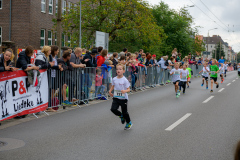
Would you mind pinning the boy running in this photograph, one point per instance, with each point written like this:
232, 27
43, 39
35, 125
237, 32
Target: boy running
176, 78
120, 97
225, 68
213, 76
238, 66
183, 75
221, 72
189, 76
205, 74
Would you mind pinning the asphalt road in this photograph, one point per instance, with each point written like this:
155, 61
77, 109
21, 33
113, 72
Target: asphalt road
195, 130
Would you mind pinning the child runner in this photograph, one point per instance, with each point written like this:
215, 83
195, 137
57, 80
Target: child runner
213, 76
221, 71
180, 67
225, 68
205, 74
183, 75
189, 76
121, 86
176, 78
238, 66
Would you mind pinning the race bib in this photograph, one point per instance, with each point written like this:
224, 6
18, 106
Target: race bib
204, 72
177, 72
118, 94
184, 77
213, 72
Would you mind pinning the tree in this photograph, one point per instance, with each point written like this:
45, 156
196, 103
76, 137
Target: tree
217, 54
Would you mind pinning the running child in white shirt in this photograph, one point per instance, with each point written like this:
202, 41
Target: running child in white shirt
221, 72
176, 78
183, 75
225, 68
205, 74
121, 87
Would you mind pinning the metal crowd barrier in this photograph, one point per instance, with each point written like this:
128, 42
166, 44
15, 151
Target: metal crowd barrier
81, 85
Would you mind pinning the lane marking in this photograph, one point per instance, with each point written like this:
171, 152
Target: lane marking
233, 81
208, 99
221, 90
228, 84
178, 122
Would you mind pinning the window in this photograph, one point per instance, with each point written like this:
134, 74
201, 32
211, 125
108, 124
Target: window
63, 40
49, 38
64, 6
55, 38
43, 6
56, 6
69, 41
69, 5
0, 4
42, 39
0, 36
50, 7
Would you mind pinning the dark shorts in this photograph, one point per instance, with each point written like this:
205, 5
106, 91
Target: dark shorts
221, 75
213, 78
206, 78
176, 82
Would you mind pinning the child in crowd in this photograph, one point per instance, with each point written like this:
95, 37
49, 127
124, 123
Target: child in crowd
225, 68
189, 75
183, 75
213, 76
121, 87
238, 66
205, 74
221, 71
175, 72
99, 88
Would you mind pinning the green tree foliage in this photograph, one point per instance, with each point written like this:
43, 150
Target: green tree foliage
131, 24
217, 54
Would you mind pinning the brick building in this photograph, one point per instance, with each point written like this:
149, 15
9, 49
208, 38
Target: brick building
31, 21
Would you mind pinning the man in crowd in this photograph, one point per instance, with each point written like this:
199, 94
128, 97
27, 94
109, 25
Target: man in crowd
221, 61
140, 53
124, 52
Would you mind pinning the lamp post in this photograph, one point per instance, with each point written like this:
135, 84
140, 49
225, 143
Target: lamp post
207, 39
80, 27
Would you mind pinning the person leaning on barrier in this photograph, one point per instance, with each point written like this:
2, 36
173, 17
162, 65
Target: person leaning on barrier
65, 63
90, 57
24, 59
42, 59
5, 61
75, 59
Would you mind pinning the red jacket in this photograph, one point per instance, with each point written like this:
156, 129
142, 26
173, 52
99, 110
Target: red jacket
100, 61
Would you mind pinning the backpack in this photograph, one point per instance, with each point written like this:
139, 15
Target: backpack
166, 63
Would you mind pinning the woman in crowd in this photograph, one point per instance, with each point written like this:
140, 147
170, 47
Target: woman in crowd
42, 59
5, 61
101, 59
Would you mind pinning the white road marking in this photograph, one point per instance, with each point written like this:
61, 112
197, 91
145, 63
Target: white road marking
221, 90
228, 84
178, 122
208, 99
233, 81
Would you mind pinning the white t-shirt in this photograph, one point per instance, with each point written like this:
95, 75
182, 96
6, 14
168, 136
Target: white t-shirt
176, 75
221, 70
185, 74
225, 66
205, 72
120, 84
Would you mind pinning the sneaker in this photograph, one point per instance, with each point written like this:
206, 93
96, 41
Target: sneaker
211, 91
187, 86
177, 95
128, 126
207, 87
202, 84
217, 86
168, 81
222, 81
189, 81
67, 103
122, 119
183, 92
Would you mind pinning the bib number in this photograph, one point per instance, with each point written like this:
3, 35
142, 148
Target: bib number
176, 73
184, 77
213, 72
204, 72
118, 94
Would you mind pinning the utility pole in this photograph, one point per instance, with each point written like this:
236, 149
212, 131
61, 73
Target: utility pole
80, 27
59, 27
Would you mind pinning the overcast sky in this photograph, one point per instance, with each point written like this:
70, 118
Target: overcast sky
226, 11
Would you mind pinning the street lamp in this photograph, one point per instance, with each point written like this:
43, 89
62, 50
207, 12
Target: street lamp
208, 36
80, 27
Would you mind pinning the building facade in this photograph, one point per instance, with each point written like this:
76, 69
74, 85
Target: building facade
29, 22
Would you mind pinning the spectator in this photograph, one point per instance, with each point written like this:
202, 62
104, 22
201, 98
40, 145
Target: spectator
174, 53
24, 59
163, 68
178, 59
140, 53
100, 49
101, 59
99, 88
75, 60
172, 59
65, 63
189, 60
6, 61
115, 59
42, 59
83, 51
124, 52
90, 56
156, 69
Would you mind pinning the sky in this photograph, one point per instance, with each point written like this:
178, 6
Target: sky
210, 14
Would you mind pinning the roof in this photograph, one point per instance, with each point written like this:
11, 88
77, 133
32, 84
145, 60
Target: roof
213, 40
